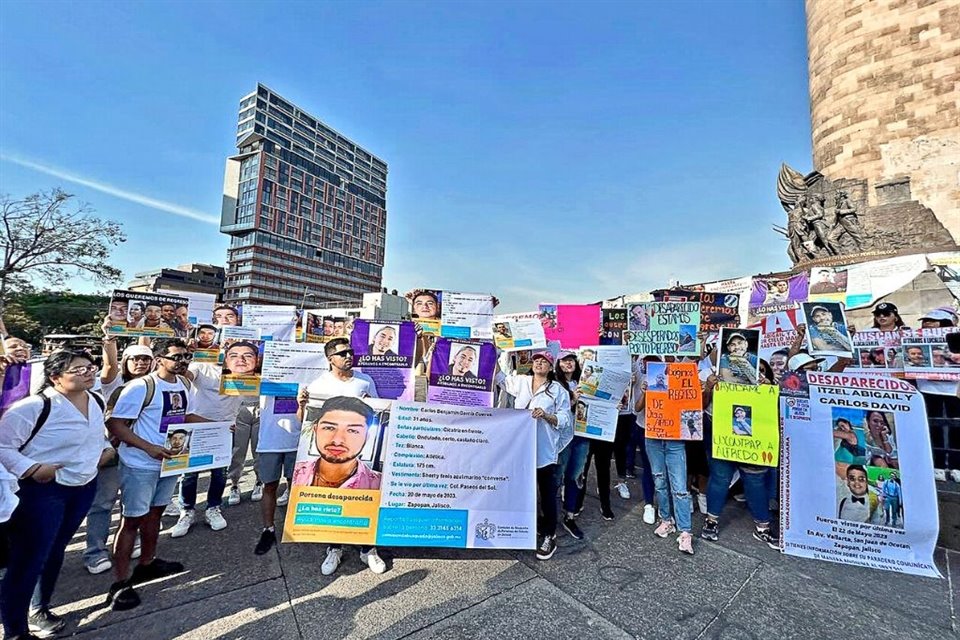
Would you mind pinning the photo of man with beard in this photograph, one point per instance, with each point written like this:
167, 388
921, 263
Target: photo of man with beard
339, 434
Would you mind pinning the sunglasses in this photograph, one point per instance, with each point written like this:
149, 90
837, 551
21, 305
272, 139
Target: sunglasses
883, 313
346, 353
180, 357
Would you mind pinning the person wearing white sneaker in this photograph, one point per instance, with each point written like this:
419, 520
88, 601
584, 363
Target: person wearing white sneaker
649, 514
257, 494
284, 496
279, 431
373, 560
639, 390
246, 436
331, 561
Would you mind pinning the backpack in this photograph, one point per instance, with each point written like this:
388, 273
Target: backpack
45, 413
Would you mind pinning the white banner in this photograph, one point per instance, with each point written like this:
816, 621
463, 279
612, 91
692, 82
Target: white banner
275, 321
518, 331
197, 446
291, 366
596, 419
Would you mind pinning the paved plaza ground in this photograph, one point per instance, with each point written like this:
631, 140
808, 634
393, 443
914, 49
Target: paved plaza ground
620, 582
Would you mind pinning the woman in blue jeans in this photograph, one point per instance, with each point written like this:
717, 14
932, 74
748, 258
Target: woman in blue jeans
56, 459
573, 457
755, 478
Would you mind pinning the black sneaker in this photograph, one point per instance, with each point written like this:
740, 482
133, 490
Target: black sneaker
155, 570
571, 526
606, 512
122, 596
767, 536
711, 530
267, 539
45, 624
548, 546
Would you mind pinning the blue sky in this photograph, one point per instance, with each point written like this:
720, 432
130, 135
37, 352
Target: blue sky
561, 152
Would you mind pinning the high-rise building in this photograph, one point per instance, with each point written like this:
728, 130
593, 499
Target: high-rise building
305, 208
194, 277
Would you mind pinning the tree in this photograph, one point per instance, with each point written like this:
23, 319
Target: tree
50, 237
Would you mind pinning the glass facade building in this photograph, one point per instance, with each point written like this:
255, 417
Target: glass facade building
305, 209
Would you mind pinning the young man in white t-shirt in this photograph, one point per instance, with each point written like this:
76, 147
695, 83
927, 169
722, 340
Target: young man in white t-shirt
141, 429
340, 380
275, 420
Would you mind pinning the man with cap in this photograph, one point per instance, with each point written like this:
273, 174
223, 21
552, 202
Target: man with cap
825, 334
886, 317
737, 365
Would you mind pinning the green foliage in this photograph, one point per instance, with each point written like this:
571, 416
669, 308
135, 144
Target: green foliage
35, 314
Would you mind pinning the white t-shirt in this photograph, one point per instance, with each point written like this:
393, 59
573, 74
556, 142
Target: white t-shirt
939, 387
279, 427
170, 405
107, 388
66, 437
207, 401
359, 385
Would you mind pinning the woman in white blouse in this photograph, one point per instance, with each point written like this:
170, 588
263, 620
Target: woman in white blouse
56, 465
549, 403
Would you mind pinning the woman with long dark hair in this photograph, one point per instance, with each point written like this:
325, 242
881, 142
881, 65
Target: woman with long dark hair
574, 449
55, 457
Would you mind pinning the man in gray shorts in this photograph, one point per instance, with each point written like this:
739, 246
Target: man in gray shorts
279, 436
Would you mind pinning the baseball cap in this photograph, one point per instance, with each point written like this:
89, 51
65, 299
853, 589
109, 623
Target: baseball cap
136, 350
566, 353
733, 335
542, 354
941, 313
801, 360
813, 310
885, 307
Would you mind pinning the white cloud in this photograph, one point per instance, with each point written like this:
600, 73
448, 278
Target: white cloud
146, 201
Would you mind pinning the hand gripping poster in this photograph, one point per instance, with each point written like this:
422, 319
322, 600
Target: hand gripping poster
451, 314
462, 373
663, 329
857, 479
674, 401
460, 477
517, 331
746, 423
384, 351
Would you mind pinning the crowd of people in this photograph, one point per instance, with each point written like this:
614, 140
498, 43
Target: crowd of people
95, 433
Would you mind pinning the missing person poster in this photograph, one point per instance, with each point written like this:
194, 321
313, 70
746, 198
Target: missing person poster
462, 373
320, 326
604, 382
739, 360
877, 353
828, 284
674, 409
827, 332
926, 355
777, 332
572, 325
773, 294
857, 480
451, 314
384, 351
459, 477
275, 321
335, 496
197, 446
614, 323
746, 423
241, 352
289, 367
517, 331
594, 418
155, 315
523, 360
206, 337
717, 310
663, 329
200, 305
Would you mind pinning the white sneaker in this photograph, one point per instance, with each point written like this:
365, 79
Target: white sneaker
100, 566
623, 490
283, 498
940, 475
373, 560
234, 498
136, 548
173, 509
332, 561
649, 514
955, 475
215, 519
183, 525
257, 494
702, 503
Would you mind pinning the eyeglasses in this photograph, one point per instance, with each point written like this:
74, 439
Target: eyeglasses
79, 371
141, 358
346, 353
180, 357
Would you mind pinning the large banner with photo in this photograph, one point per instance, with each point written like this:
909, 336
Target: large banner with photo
663, 328
452, 314
857, 479
674, 401
155, 315
746, 425
447, 476
926, 355
774, 294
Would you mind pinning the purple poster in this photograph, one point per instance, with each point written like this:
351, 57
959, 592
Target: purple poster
16, 385
384, 351
773, 294
461, 373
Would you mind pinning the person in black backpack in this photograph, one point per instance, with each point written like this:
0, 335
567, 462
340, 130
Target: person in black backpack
54, 443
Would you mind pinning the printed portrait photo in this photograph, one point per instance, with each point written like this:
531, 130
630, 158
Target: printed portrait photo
917, 355
464, 360
742, 422
339, 432
178, 442
502, 330
242, 358
826, 327
383, 339
691, 425
656, 376
739, 362
425, 304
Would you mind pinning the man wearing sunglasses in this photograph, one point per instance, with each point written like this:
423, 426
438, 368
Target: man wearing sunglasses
340, 380
141, 425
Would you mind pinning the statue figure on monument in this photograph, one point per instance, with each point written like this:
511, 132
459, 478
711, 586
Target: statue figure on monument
815, 217
848, 221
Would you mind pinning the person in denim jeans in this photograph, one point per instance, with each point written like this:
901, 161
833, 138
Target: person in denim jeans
668, 462
573, 457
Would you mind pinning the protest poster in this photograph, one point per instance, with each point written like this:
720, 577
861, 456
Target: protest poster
572, 325
595, 418
523, 360
857, 481
739, 361
773, 294
926, 355
275, 321
740, 286
827, 332
461, 373
663, 328
460, 477
828, 284
516, 331
197, 446
228, 315
947, 267
867, 282
613, 324
451, 314
777, 332
155, 315
206, 337
19, 381
746, 423
200, 305
240, 352
876, 353
674, 401
289, 367
384, 351
335, 494
716, 309
320, 326
604, 383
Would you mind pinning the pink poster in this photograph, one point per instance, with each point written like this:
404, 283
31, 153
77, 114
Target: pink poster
573, 325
